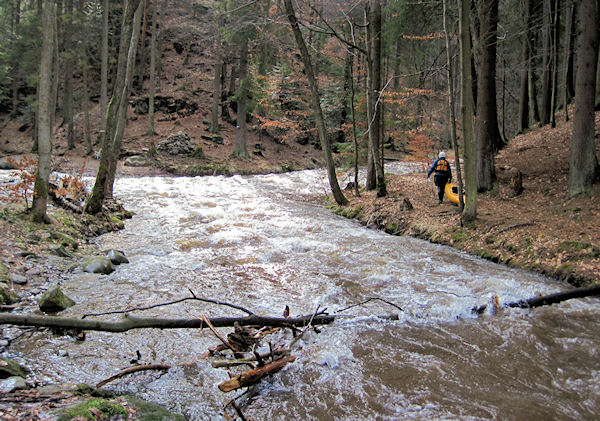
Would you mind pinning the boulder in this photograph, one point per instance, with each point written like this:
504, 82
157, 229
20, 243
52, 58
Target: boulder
12, 383
17, 279
7, 295
9, 368
137, 161
99, 264
117, 257
53, 301
177, 144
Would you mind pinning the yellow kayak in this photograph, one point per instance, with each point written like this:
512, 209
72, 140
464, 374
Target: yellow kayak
452, 193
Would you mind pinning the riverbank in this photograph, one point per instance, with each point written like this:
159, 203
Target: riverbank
540, 230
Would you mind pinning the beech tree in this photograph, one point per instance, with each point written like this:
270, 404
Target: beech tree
42, 175
584, 169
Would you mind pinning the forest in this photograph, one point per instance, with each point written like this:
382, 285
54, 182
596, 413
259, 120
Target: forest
507, 89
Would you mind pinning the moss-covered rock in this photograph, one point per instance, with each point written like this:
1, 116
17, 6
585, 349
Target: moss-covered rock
9, 368
150, 411
98, 264
7, 295
91, 409
54, 300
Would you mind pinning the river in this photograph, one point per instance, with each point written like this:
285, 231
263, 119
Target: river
265, 242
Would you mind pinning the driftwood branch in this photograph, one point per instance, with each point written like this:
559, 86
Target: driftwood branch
133, 369
251, 377
194, 297
217, 334
131, 322
546, 300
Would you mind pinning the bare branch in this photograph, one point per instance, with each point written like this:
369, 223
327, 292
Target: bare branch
194, 297
368, 300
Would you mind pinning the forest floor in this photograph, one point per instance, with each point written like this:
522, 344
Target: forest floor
539, 230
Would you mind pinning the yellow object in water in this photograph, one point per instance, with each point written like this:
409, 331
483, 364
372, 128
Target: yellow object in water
452, 193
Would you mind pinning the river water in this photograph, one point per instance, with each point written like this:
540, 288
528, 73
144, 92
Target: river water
265, 242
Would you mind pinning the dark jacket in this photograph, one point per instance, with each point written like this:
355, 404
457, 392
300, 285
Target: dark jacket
438, 169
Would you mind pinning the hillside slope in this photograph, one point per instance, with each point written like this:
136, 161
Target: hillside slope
185, 82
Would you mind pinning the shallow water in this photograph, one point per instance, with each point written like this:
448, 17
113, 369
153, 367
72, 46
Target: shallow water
265, 242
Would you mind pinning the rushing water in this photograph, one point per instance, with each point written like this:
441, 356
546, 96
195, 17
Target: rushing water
265, 242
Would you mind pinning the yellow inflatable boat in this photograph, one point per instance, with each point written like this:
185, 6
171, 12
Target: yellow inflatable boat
452, 193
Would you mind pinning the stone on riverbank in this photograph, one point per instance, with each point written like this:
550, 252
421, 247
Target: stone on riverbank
7, 295
9, 368
99, 264
117, 257
54, 300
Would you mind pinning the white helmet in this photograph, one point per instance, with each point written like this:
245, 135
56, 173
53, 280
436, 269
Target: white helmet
442, 154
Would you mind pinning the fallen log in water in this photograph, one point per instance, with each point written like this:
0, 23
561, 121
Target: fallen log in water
253, 376
546, 300
131, 322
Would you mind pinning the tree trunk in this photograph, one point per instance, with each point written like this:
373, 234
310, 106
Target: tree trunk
130, 322
42, 175
68, 88
315, 105
374, 101
554, 62
526, 63
548, 13
371, 182
488, 136
567, 54
583, 169
466, 108
214, 116
104, 65
451, 103
124, 102
98, 194
241, 151
142, 67
86, 104
15, 67
151, 130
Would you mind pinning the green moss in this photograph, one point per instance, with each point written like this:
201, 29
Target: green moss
575, 246
148, 411
459, 235
287, 167
108, 408
198, 153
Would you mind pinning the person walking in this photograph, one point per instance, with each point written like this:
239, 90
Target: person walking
443, 174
